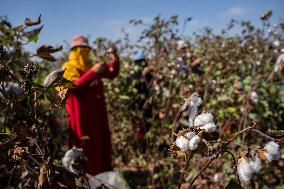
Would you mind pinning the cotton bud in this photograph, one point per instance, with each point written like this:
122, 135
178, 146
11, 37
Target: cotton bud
209, 127
255, 164
272, 151
258, 63
244, 170
193, 143
203, 119
182, 143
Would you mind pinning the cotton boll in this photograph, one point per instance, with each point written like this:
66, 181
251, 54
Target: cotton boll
181, 44
193, 106
191, 114
11, 88
254, 97
182, 143
278, 63
272, 147
244, 170
193, 143
72, 159
209, 127
255, 164
188, 55
272, 151
189, 135
203, 119
196, 101
268, 156
276, 43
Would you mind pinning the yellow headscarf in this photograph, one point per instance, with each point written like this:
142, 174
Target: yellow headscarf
78, 60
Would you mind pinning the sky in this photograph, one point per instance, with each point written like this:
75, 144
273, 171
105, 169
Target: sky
62, 19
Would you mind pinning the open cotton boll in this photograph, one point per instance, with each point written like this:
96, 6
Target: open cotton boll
244, 170
268, 156
255, 164
71, 157
209, 127
196, 101
203, 119
193, 106
191, 114
193, 143
278, 63
182, 143
272, 148
272, 151
189, 135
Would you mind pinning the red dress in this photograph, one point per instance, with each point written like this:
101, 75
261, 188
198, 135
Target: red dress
87, 116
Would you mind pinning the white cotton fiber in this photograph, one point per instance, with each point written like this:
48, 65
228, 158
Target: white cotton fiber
189, 135
193, 143
272, 151
209, 127
203, 119
182, 143
193, 107
255, 164
244, 171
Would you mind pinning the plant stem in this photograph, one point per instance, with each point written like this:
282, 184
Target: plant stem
185, 167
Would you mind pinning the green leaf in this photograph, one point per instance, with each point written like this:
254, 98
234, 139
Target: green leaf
231, 110
32, 36
280, 186
124, 97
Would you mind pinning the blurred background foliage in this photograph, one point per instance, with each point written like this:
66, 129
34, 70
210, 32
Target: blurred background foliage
237, 76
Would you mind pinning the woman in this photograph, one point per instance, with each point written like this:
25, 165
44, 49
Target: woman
86, 107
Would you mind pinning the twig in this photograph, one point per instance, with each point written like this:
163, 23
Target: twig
263, 134
185, 167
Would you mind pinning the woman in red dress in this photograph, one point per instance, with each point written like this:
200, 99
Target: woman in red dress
86, 107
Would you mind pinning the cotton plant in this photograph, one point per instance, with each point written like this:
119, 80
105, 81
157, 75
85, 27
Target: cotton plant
250, 164
195, 137
201, 131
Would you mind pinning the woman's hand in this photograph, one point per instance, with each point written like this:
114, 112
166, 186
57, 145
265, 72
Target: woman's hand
112, 52
99, 68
